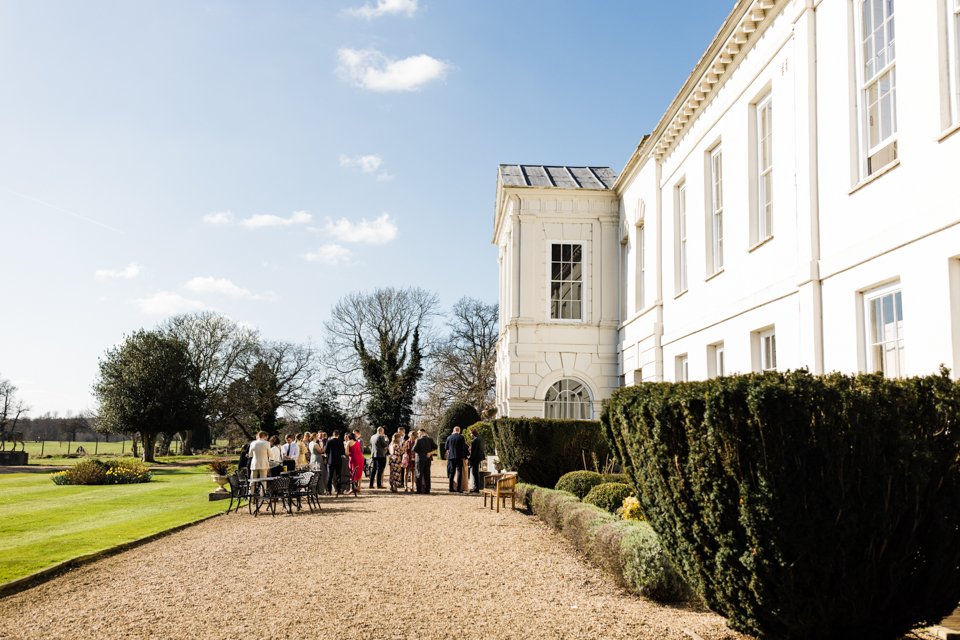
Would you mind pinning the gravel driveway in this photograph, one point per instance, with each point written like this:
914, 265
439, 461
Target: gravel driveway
379, 566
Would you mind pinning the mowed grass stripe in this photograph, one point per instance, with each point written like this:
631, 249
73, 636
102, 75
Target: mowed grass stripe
42, 524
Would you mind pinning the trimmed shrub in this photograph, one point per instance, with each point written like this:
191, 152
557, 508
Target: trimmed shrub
485, 430
579, 483
92, 472
541, 451
459, 414
647, 567
609, 496
627, 550
622, 478
802, 506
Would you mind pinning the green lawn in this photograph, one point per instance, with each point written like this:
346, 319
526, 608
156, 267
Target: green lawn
42, 524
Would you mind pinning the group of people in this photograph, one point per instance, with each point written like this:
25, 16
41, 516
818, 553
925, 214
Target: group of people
408, 456
457, 452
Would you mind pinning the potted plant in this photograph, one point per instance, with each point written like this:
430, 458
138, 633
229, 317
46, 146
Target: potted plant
221, 469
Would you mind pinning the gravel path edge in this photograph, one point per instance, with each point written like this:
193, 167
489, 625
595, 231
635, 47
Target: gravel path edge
45, 575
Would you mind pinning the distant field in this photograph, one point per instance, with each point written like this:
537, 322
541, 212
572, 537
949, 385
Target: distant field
42, 524
58, 449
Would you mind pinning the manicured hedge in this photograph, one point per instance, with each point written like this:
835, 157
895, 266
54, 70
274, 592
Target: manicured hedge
459, 414
541, 451
579, 483
609, 496
630, 551
803, 506
485, 430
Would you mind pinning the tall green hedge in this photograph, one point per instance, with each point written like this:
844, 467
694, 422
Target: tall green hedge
802, 506
541, 451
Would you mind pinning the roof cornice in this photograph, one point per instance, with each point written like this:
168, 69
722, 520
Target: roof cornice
736, 36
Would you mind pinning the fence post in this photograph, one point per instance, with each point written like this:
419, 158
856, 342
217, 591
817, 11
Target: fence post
42, 442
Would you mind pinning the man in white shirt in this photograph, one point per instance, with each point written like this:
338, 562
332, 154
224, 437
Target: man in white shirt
259, 452
290, 452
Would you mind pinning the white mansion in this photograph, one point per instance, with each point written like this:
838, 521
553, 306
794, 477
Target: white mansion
798, 205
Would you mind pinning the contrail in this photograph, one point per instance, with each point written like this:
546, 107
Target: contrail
61, 209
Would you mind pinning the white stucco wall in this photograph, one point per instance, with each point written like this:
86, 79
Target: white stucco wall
837, 233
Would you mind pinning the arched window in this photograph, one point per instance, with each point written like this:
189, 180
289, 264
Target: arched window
568, 400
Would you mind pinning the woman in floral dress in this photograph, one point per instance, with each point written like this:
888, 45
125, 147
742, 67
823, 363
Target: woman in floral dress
396, 469
407, 463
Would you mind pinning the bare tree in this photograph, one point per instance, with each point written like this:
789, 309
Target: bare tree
11, 407
463, 366
375, 345
219, 349
276, 375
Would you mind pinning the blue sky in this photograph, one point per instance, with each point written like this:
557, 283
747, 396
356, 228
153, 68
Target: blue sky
265, 158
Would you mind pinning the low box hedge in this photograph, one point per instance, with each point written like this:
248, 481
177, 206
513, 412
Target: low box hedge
628, 550
542, 450
800, 506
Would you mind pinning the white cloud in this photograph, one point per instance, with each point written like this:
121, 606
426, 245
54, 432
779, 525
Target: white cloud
166, 303
129, 272
332, 254
370, 69
367, 164
219, 217
384, 8
220, 287
378, 231
270, 220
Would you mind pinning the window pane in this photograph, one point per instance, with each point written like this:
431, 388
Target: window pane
556, 271
576, 271
556, 253
577, 253
565, 252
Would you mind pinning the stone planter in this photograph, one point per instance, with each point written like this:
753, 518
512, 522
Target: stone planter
221, 481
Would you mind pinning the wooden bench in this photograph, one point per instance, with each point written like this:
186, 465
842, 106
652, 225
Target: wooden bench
500, 486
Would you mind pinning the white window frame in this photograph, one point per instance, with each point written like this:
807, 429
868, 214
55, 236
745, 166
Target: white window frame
584, 261
873, 341
624, 276
767, 342
682, 364
573, 401
951, 17
641, 257
867, 81
716, 364
763, 114
715, 209
680, 234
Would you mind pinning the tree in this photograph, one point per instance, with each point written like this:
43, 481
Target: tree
377, 342
278, 375
218, 348
324, 413
11, 407
147, 385
463, 366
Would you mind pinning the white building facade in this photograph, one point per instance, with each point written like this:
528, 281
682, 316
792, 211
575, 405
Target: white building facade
798, 205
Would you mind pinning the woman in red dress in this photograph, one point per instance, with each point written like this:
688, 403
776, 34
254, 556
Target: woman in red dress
355, 453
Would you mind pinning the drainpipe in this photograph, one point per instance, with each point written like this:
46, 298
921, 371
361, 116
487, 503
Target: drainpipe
813, 168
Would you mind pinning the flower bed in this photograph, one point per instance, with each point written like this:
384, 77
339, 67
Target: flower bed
92, 472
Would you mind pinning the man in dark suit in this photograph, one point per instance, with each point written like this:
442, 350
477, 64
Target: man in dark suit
476, 457
424, 449
456, 453
335, 452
